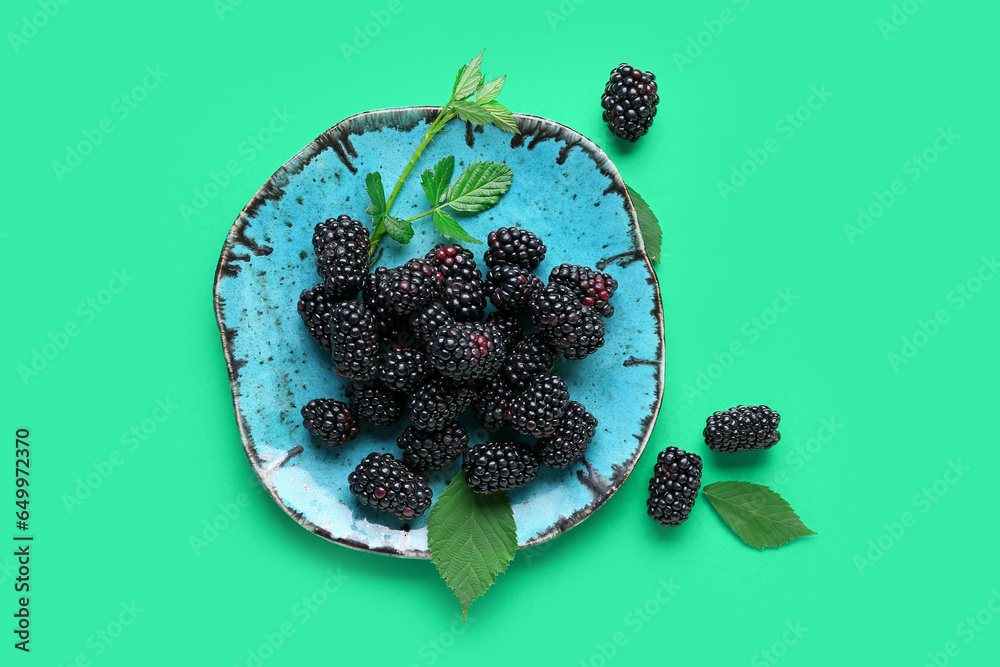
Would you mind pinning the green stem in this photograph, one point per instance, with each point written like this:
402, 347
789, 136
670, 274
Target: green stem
434, 128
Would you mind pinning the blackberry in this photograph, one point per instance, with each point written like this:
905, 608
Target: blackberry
742, 428
439, 402
466, 351
455, 262
412, 285
432, 450
331, 420
528, 358
573, 329
491, 403
629, 102
510, 287
341, 247
571, 438
403, 368
425, 321
511, 245
374, 403
536, 411
384, 483
353, 340
674, 486
465, 300
592, 288
342, 228
314, 308
507, 325
498, 466
373, 295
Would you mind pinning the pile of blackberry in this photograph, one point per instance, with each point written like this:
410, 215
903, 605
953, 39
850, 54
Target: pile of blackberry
415, 342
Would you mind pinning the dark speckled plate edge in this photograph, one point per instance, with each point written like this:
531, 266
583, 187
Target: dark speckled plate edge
338, 138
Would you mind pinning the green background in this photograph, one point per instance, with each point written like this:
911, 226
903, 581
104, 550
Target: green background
897, 428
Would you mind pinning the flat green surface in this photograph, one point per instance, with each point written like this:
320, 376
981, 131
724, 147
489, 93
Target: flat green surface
767, 268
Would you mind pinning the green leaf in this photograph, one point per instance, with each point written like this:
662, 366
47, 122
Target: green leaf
468, 79
472, 113
502, 117
449, 227
436, 184
480, 186
758, 515
489, 90
649, 226
472, 539
400, 231
376, 193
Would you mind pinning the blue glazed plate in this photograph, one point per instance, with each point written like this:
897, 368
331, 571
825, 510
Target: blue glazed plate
565, 189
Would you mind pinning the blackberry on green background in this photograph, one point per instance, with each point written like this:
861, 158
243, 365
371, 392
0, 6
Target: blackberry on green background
512, 245
314, 309
341, 247
536, 410
330, 420
498, 466
465, 300
593, 288
491, 403
511, 287
571, 438
573, 329
439, 402
455, 262
466, 351
629, 102
742, 428
428, 319
529, 357
432, 450
354, 340
507, 325
374, 403
382, 482
403, 368
674, 486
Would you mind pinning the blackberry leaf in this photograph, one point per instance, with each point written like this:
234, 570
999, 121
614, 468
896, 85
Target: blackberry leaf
472, 113
436, 184
472, 539
489, 90
376, 193
649, 226
468, 79
480, 186
449, 227
758, 515
502, 117
400, 231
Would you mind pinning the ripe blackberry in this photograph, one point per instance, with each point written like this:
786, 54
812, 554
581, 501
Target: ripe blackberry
510, 287
353, 340
573, 329
466, 351
511, 245
432, 450
592, 288
412, 285
340, 229
536, 411
629, 102
428, 319
528, 358
498, 466
455, 262
374, 297
439, 402
374, 403
331, 420
384, 483
491, 403
571, 438
507, 325
465, 300
341, 247
674, 486
314, 308
742, 428
403, 368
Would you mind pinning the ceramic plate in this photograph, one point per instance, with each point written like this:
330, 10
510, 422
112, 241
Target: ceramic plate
565, 189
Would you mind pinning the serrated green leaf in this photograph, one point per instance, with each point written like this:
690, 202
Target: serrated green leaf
472, 113
472, 539
400, 231
436, 184
489, 90
468, 79
480, 186
376, 193
758, 515
649, 226
502, 117
449, 227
